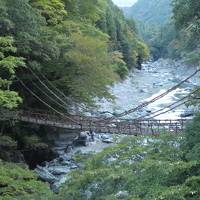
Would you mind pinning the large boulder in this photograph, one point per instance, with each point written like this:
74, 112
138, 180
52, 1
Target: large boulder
82, 139
45, 175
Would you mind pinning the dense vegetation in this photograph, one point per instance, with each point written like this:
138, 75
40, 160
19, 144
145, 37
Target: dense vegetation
170, 27
153, 22
161, 168
81, 47
150, 11
17, 182
187, 22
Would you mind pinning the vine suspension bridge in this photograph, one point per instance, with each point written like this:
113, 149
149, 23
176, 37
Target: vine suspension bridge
146, 124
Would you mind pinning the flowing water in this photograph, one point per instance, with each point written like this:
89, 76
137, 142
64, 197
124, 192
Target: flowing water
143, 85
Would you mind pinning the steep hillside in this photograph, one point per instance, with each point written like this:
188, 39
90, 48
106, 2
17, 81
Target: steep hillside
150, 11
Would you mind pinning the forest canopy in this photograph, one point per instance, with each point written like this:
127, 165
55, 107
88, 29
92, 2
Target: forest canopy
82, 47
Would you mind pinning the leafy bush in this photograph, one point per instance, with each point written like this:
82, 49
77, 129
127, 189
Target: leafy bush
145, 167
192, 140
18, 183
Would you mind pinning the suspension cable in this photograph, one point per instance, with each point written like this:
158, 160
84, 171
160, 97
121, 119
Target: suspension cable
37, 77
154, 99
51, 98
59, 91
45, 103
169, 109
157, 111
66, 97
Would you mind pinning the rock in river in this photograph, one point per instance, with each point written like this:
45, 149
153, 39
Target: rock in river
45, 175
122, 195
59, 170
107, 139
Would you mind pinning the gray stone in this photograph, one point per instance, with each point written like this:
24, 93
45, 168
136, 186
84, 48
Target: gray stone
187, 114
65, 157
82, 139
59, 170
107, 139
122, 195
45, 175
55, 186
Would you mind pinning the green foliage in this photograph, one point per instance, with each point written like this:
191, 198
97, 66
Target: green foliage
188, 25
153, 19
33, 142
145, 167
53, 10
118, 64
150, 11
88, 64
123, 35
176, 37
8, 65
21, 184
72, 43
192, 140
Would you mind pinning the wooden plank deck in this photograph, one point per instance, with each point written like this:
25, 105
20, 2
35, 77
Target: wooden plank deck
122, 126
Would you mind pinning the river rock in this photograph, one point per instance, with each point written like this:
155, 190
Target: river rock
187, 114
59, 170
74, 166
65, 157
82, 139
69, 148
55, 186
122, 195
45, 175
107, 139
142, 91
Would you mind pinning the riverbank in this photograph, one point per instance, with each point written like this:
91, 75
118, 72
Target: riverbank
72, 156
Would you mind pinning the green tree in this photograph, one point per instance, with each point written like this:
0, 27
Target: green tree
8, 65
187, 21
89, 71
52, 10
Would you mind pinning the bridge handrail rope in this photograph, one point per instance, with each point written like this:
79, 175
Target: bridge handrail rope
144, 104
66, 97
51, 98
36, 76
169, 109
157, 111
46, 104
60, 92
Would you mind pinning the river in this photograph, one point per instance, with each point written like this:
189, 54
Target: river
143, 85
